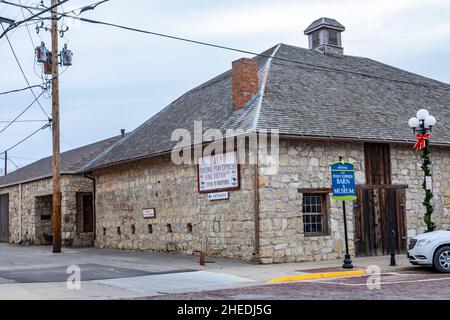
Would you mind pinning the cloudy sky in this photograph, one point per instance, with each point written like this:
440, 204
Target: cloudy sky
120, 79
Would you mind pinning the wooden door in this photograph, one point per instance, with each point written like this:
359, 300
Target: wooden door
378, 212
88, 213
377, 159
4, 218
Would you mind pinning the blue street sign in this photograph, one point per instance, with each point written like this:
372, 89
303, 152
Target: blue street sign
343, 181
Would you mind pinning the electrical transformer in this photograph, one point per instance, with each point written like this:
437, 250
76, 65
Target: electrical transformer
41, 53
66, 56
48, 64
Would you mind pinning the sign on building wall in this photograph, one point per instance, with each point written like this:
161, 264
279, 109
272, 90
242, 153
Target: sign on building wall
218, 173
343, 181
219, 196
149, 213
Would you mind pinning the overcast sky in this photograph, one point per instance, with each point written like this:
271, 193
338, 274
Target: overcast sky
120, 79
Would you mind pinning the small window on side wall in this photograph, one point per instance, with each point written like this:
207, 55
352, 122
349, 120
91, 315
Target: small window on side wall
315, 214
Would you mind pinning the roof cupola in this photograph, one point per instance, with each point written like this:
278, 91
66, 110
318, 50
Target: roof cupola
325, 36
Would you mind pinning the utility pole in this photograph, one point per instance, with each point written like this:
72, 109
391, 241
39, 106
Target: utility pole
6, 163
10, 22
55, 133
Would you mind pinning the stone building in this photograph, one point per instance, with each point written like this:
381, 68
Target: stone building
26, 200
325, 104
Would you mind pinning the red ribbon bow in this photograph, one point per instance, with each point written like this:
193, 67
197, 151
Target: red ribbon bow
421, 141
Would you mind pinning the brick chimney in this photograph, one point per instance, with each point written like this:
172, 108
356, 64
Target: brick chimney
245, 82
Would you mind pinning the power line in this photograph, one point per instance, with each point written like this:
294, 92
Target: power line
20, 158
19, 90
22, 121
41, 76
23, 111
28, 29
28, 137
21, 6
15, 164
310, 65
16, 24
10, 160
24, 75
80, 10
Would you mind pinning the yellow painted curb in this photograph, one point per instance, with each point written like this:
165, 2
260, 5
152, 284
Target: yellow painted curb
313, 276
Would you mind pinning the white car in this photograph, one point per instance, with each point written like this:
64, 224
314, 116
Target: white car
431, 249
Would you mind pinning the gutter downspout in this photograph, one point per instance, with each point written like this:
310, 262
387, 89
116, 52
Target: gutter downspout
20, 213
257, 221
94, 205
254, 130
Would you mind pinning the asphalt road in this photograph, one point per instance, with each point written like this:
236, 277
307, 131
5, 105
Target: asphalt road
418, 285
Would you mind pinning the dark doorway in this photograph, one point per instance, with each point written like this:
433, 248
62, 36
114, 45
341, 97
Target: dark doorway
379, 210
44, 221
4, 218
88, 213
85, 220
377, 158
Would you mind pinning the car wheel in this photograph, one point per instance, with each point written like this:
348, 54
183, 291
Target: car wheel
442, 259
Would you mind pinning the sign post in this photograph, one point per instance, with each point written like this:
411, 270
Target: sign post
344, 189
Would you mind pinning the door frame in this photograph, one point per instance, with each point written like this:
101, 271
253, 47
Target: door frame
370, 228
5, 197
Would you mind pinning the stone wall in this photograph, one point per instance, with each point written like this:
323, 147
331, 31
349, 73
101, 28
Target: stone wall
123, 192
446, 187
406, 169
23, 218
70, 186
304, 165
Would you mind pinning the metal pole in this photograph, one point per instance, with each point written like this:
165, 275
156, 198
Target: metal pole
347, 261
393, 244
55, 134
6, 163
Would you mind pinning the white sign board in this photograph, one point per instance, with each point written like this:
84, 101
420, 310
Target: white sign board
218, 173
218, 196
149, 213
429, 183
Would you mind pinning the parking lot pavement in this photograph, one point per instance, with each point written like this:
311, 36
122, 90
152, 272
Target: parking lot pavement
37, 273
19, 257
420, 284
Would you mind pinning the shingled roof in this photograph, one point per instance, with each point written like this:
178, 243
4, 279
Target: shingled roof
324, 22
71, 163
318, 95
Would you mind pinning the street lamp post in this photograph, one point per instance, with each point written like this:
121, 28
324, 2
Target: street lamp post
422, 126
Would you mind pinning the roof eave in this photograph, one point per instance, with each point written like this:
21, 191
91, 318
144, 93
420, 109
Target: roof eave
16, 183
281, 135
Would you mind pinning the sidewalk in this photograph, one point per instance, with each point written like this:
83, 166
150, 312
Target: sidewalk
264, 273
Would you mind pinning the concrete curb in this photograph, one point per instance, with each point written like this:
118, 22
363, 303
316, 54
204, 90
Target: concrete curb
314, 276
